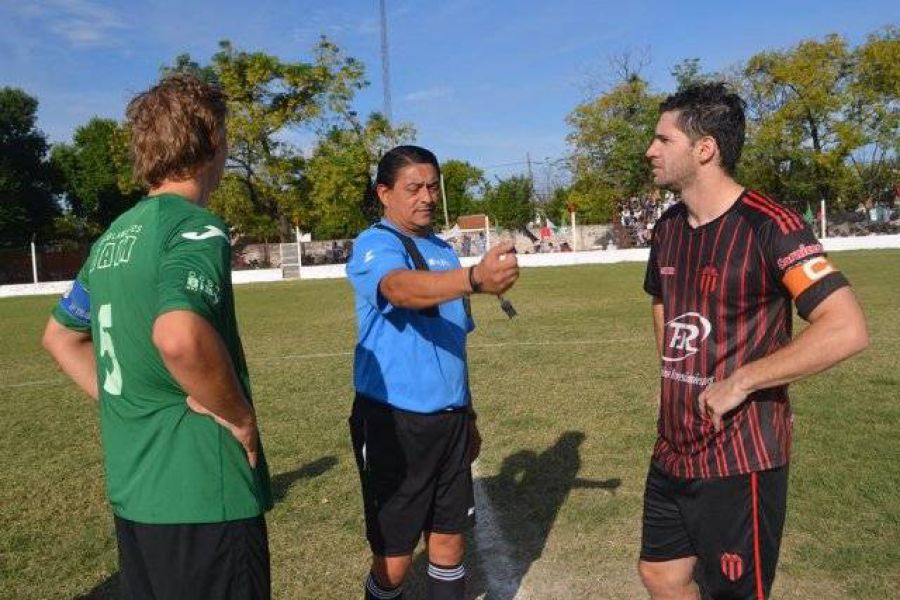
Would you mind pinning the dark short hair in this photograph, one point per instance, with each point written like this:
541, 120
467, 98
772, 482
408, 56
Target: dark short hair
711, 109
402, 156
177, 127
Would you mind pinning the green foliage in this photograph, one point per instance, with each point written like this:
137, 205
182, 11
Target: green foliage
463, 185
27, 206
342, 202
609, 137
508, 202
824, 119
688, 72
268, 98
93, 175
557, 208
823, 122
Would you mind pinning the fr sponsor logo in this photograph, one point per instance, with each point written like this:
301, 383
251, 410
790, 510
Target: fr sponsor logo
687, 331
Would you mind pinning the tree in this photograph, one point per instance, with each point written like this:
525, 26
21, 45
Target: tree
341, 195
27, 205
268, 98
875, 113
93, 177
609, 137
800, 138
508, 202
463, 183
688, 72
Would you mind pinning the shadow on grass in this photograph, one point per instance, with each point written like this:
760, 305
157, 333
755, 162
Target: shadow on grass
518, 506
108, 589
282, 482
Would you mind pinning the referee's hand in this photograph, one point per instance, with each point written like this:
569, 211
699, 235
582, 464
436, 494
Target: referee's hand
498, 270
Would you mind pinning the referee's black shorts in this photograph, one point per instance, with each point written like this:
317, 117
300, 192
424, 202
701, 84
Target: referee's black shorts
415, 474
213, 561
731, 524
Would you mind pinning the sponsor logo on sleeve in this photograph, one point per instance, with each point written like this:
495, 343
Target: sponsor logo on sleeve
201, 284
369, 256
799, 278
211, 232
802, 252
667, 270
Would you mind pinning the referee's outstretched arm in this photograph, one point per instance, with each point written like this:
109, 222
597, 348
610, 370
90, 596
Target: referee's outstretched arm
496, 273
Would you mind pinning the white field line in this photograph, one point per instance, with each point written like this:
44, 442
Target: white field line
486, 345
339, 354
502, 573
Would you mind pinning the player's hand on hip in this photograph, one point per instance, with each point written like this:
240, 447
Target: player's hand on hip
721, 397
247, 434
248, 437
498, 270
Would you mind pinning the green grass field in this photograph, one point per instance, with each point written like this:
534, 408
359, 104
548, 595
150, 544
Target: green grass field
567, 395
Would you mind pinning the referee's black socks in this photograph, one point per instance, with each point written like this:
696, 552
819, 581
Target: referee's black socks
446, 583
374, 590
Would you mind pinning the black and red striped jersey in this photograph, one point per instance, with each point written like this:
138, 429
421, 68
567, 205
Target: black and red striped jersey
726, 289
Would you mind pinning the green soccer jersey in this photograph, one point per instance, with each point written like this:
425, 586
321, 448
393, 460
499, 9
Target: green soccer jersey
164, 463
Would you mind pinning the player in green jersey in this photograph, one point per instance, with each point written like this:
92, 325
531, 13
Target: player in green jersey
149, 330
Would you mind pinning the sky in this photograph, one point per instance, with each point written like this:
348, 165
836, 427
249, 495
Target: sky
488, 81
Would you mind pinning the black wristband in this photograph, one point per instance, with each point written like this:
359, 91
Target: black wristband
474, 286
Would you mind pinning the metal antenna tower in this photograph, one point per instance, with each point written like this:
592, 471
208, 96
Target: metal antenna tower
385, 64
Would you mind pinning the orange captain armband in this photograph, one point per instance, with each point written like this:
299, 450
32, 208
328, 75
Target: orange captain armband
800, 277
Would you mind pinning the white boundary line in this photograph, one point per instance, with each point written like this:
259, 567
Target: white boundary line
501, 571
477, 346
340, 354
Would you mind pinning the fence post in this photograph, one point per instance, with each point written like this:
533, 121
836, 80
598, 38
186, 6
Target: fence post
33, 262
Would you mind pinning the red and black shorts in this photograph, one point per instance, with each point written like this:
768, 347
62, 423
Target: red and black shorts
415, 474
731, 524
214, 561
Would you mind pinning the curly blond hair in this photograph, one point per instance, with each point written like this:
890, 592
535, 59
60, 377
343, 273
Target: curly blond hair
176, 128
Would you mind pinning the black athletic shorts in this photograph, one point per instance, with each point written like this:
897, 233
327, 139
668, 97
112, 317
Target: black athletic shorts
213, 561
415, 474
731, 524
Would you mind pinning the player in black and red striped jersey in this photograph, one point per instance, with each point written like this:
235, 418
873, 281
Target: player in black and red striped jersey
726, 263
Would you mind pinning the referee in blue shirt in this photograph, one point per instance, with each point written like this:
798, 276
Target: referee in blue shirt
413, 427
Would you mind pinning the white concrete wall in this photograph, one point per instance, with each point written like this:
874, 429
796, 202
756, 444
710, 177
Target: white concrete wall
558, 259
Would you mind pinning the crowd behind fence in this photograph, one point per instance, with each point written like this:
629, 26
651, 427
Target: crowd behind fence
632, 228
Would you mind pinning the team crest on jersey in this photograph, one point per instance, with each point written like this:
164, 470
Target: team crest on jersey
709, 277
732, 565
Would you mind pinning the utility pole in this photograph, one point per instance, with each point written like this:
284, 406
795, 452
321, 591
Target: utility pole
385, 64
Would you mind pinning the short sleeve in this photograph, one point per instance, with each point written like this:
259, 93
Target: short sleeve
798, 262
73, 311
195, 267
651, 278
375, 254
